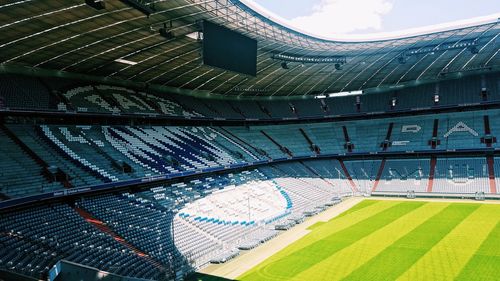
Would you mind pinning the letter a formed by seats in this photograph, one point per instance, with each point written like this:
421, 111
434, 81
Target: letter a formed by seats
461, 127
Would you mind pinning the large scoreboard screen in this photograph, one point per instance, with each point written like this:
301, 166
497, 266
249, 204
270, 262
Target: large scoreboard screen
229, 50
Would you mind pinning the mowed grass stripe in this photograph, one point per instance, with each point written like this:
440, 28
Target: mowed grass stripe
361, 205
485, 264
398, 257
447, 258
359, 212
362, 211
287, 266
342, 263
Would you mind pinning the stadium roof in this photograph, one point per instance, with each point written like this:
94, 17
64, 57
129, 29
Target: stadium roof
121, 42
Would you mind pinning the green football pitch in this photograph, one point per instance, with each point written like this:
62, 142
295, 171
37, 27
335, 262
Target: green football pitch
394, 240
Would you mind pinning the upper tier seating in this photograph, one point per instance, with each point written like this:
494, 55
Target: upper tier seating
92, 155
20, 92
463, 130
257, 139
152, 150
42, 94
32, 137
291, 138
189, 148
111, 99
411, 134
80, 158
20, 175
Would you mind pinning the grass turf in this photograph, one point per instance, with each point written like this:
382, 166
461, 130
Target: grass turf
394, 240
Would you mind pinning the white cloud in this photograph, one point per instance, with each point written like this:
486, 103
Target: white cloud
331, 18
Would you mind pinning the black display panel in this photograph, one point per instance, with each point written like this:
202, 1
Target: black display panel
229, 50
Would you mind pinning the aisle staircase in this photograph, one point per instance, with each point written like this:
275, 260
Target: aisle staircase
106, 229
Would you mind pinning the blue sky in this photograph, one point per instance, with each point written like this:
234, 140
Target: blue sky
336, 17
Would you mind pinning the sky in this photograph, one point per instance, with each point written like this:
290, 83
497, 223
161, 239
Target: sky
331, 18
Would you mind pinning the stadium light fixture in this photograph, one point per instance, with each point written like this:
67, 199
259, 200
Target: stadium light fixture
432, 49
436, 98
320, 97
309, 59
124, 61
197, 35
345, 94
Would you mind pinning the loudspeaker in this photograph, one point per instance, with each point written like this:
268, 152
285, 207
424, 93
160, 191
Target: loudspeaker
166, 33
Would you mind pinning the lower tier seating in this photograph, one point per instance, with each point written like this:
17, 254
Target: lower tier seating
400, 175
157, 232
461, 175
33, 240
